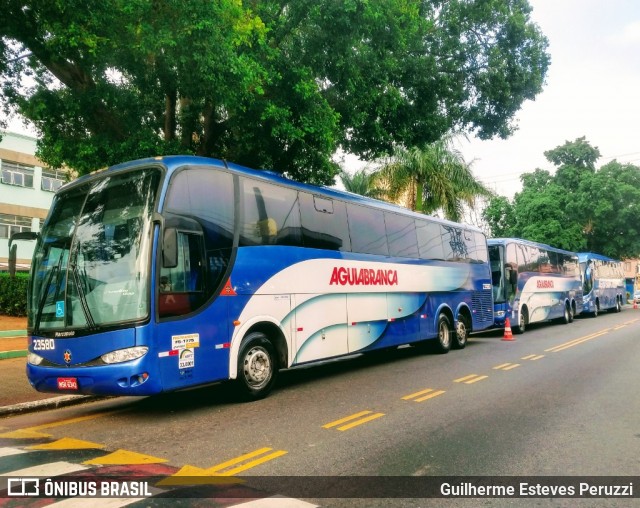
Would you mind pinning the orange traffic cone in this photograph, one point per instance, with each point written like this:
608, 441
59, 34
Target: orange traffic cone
507, 330
635, 304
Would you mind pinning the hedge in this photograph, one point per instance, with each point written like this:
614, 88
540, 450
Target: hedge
13, 294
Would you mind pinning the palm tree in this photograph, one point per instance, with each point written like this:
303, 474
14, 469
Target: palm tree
361, 182
434, 177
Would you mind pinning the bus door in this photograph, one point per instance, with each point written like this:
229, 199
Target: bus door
192, 339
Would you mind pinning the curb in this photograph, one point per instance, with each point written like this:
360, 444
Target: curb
13, 333
4, 355
52, 403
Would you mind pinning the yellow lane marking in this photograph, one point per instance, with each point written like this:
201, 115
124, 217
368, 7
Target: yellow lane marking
345, 419
24, 434
430, 396
33, 432
417, 394
577, 341
124, 457
470, 379
225, 469
248, 465
619, 326
70, 421
506, 366
422, 395
67, 443
528, 357
238, 460
355, 419
361, 421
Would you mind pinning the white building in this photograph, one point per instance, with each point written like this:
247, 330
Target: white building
26, 192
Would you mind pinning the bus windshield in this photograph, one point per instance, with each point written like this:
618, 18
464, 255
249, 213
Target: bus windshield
91, 264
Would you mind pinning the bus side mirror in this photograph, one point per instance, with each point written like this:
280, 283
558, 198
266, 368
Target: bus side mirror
13, 254
170, 248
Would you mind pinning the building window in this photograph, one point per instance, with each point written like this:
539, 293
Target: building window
10, 224
14, 173
52, 180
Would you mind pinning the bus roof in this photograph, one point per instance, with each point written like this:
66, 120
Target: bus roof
173, 162
585, 256
504, 241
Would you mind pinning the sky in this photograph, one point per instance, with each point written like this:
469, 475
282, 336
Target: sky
592, 89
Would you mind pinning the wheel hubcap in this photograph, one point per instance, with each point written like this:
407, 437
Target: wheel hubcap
257, 367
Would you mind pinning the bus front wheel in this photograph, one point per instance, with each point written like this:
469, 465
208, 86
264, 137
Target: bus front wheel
523, 321
257, 367
442, 344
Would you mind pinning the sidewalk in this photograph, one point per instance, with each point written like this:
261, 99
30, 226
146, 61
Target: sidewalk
17, 395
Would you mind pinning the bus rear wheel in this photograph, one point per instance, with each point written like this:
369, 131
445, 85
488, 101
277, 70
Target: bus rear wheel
257, 367
462, 333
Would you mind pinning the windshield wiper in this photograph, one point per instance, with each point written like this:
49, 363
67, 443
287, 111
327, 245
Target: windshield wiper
81, 296
43, 296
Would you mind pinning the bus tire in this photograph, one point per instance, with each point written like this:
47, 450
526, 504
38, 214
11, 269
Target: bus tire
596, 309
523, 321
257, 367
566, 316
442, 344
461, 336
618, 305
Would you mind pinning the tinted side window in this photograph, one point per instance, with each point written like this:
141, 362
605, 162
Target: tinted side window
571, 265
456, 246
366, 228
324, 223
481, 248
430, 240
401, 235
271, 214
206, 194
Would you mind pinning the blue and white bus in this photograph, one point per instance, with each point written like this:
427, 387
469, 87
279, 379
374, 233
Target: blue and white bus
533, 282
167, 273
603, 283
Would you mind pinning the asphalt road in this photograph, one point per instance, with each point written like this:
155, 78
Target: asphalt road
560, 400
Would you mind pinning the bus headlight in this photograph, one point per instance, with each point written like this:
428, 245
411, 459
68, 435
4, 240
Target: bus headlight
125, 355
500, 314
34, 359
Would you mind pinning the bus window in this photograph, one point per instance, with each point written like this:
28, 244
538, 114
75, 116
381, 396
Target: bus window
430, 240
455, 245
366, 227
401, 235
324, 223
271, 215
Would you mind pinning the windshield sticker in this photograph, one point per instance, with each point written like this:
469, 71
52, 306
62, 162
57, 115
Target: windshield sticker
60, 309
185, 341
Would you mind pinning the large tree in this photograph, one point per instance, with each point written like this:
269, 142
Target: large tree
579, 208
269, 83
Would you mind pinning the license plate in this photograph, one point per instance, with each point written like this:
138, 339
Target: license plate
67, 383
